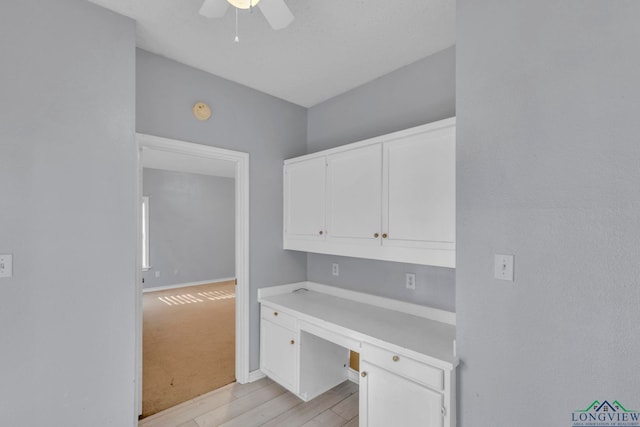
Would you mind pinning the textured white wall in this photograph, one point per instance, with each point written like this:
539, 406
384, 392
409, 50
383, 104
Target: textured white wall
67, 213
548, 163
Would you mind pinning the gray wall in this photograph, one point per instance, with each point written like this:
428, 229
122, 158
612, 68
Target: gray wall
67, 213
191, 227
548, 97
419, 93
267, 128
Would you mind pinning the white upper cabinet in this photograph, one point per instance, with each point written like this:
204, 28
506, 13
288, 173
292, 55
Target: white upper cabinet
419, 190
304, 193
390, 198
354, 179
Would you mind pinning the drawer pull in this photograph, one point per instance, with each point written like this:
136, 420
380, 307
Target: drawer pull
293, 342
376, 235
363, 374
275, 313
384, 235
321, 232
395, 358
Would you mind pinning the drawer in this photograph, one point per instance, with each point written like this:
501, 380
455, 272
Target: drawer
276, 316
404, 366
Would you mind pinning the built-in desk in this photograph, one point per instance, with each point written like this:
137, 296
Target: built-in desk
407, 352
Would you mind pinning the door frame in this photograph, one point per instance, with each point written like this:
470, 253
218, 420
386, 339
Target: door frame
149, 142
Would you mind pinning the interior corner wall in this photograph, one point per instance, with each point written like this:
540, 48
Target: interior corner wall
67, 214
419, 93
243, 119
548, 170
191, 227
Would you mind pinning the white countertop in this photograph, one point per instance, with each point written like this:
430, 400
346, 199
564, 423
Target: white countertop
421, 335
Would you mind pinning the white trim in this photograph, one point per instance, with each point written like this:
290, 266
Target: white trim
255, 375
181, 147
137, 298
353, 376
376, 140
241, 160
437, 257
185, 285
242, 267
431, 313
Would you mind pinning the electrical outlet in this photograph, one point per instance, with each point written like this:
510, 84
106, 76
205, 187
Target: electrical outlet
6, 265
503, 269
157, 274
335, 270
410, 281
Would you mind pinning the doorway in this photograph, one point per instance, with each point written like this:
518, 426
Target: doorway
183, 156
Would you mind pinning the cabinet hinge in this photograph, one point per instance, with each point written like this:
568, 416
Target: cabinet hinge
444, 411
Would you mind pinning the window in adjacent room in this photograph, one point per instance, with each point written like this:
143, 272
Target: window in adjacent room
145, 233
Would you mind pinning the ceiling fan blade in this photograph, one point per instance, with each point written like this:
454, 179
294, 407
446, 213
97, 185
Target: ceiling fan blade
214, 8
276, 12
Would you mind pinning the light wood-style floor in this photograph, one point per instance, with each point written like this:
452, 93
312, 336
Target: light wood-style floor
262, 403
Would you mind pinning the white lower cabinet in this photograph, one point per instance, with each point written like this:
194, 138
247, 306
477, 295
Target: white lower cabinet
406, 379
389, 399
397, 390
278, 348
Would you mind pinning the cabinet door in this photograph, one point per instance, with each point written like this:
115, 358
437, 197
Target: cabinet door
354, 195
278, 350
387, 399
304, 199
419, 190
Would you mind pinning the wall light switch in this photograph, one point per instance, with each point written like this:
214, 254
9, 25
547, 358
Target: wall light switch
6, 265
504, 267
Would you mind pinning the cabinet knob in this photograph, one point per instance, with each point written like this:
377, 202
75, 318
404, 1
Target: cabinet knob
384, 235
292, 342
275, 313
321, 232
395, 358
376, 235
363, 374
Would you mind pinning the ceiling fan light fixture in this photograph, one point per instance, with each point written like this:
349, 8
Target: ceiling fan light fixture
243, 4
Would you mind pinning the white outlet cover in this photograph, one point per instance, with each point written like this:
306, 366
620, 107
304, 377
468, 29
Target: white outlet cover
335, 269
503, 269
6, 265
410, 281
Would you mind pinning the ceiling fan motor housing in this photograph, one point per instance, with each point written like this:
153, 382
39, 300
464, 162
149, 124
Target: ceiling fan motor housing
243, 4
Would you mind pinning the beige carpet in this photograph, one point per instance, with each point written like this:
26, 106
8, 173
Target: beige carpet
188, 344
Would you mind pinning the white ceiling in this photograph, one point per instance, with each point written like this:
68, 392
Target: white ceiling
332, 46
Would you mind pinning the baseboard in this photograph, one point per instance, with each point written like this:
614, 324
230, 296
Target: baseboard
186, 285
255, 375
353, 376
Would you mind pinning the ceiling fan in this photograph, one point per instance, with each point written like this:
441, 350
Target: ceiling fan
275, 12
